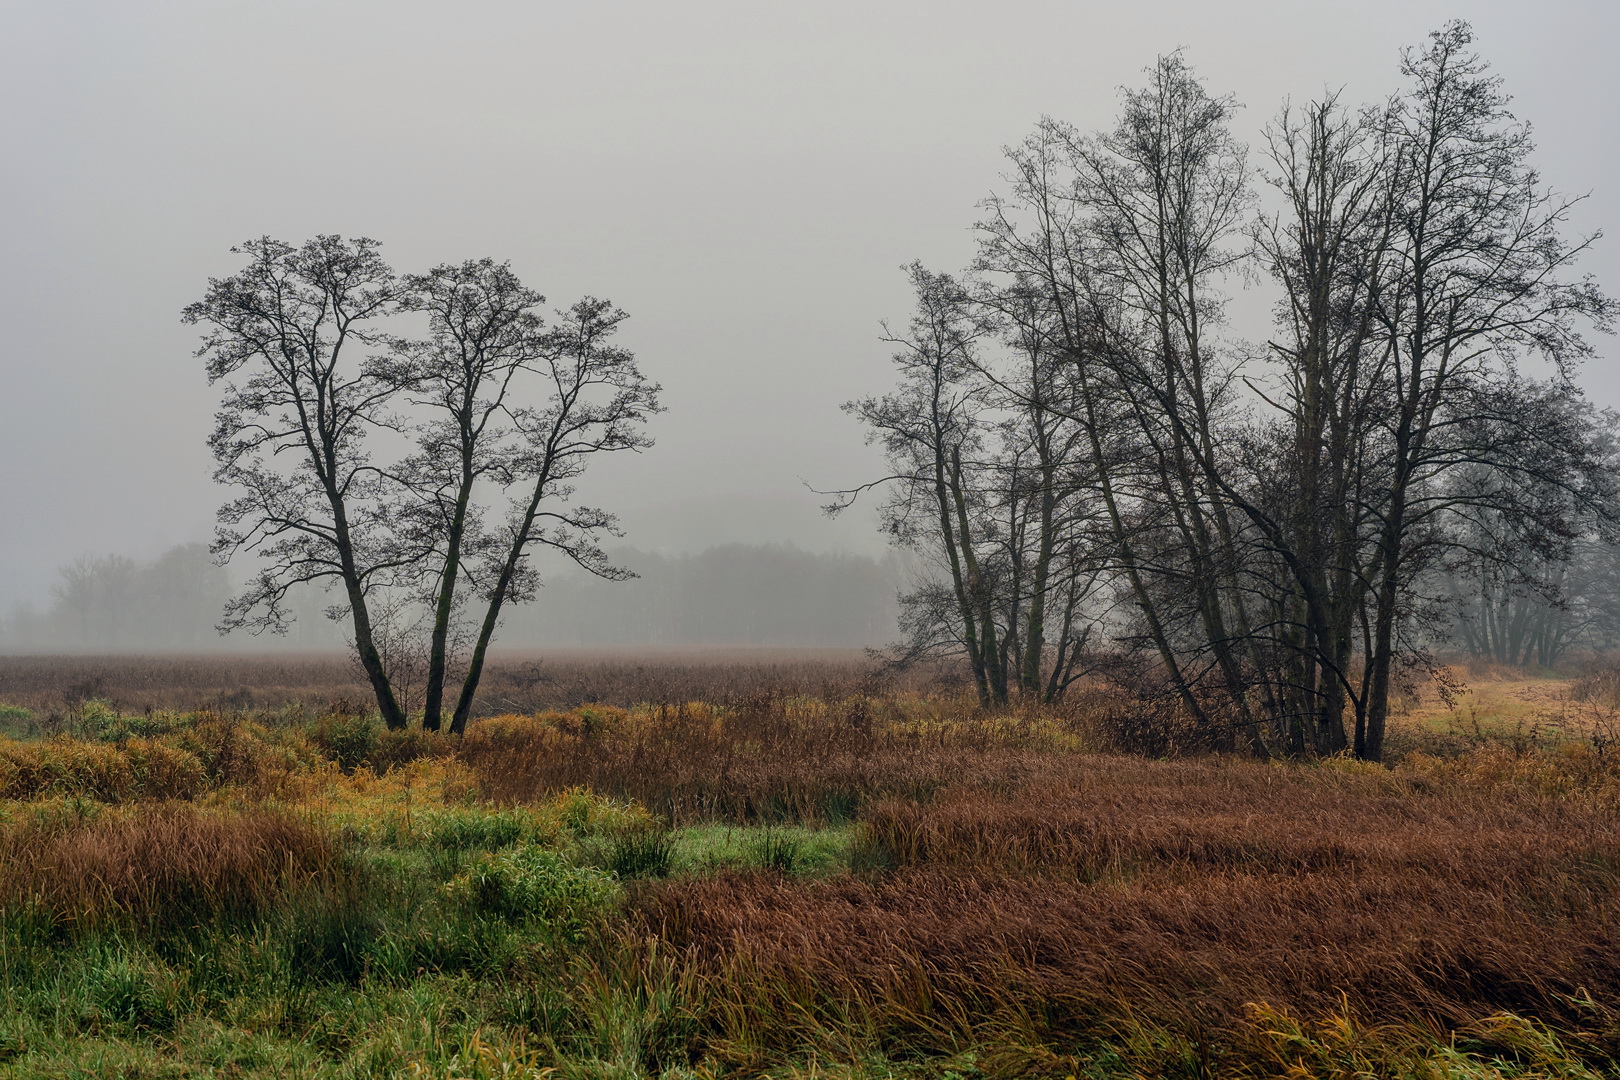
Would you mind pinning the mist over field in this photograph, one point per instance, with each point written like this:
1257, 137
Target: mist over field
748, 595
864, 541
745, 182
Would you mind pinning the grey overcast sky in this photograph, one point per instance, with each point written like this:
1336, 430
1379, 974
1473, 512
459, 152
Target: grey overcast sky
744, 178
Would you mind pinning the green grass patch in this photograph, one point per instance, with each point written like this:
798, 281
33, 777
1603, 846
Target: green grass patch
799, 850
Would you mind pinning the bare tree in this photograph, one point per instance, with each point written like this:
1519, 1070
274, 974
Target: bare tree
1477, 278
483, 333
498, 406
287, 336
597, 402
932, 432
1276, 523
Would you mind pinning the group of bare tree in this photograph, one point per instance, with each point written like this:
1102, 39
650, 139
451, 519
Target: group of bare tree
416, 475
1271, 532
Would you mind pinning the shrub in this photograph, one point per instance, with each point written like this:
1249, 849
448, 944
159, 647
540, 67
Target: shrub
405, 745
231, 752
531, 883
347, 739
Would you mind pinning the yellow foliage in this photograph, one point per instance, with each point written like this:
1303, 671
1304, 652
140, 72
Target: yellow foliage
133, 769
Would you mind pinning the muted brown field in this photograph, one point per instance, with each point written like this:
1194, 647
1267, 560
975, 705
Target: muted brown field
1008, 894
512, 682
1172, 897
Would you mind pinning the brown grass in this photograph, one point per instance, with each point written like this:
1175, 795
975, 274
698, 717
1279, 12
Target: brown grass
1171, 897
1009, 887
169, 863
513, 682
771, 757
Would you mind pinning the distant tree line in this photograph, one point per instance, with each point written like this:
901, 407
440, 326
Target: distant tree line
1267, 535
730, 595
111, 603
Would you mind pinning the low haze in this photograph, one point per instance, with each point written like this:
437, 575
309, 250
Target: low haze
744, 179
1020, 540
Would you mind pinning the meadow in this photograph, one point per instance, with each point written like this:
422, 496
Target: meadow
791, 867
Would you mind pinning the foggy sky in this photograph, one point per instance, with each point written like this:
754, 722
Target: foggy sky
744, 178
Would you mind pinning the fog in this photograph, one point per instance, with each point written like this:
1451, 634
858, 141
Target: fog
744, 179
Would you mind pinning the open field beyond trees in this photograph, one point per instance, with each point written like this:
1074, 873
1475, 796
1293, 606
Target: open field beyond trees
789, 866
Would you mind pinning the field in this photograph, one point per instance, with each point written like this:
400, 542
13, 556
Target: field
788, 866
513, 681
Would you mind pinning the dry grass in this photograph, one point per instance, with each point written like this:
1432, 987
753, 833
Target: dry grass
170, 864
1169, 897
513, 682
1010, 900
134, 769
771, 757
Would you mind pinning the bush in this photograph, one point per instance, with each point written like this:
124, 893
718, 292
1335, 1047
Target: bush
392, 749
231, 752
347, 739
531, 883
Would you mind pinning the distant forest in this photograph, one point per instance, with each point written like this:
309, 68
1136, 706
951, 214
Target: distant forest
733, 594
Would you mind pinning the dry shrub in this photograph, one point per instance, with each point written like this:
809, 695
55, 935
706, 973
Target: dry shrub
1171, 896
133, 769
1141, 714
1598, 683
172, 863
401, 747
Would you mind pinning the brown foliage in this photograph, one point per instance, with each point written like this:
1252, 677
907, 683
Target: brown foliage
1172, 895
169, 863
